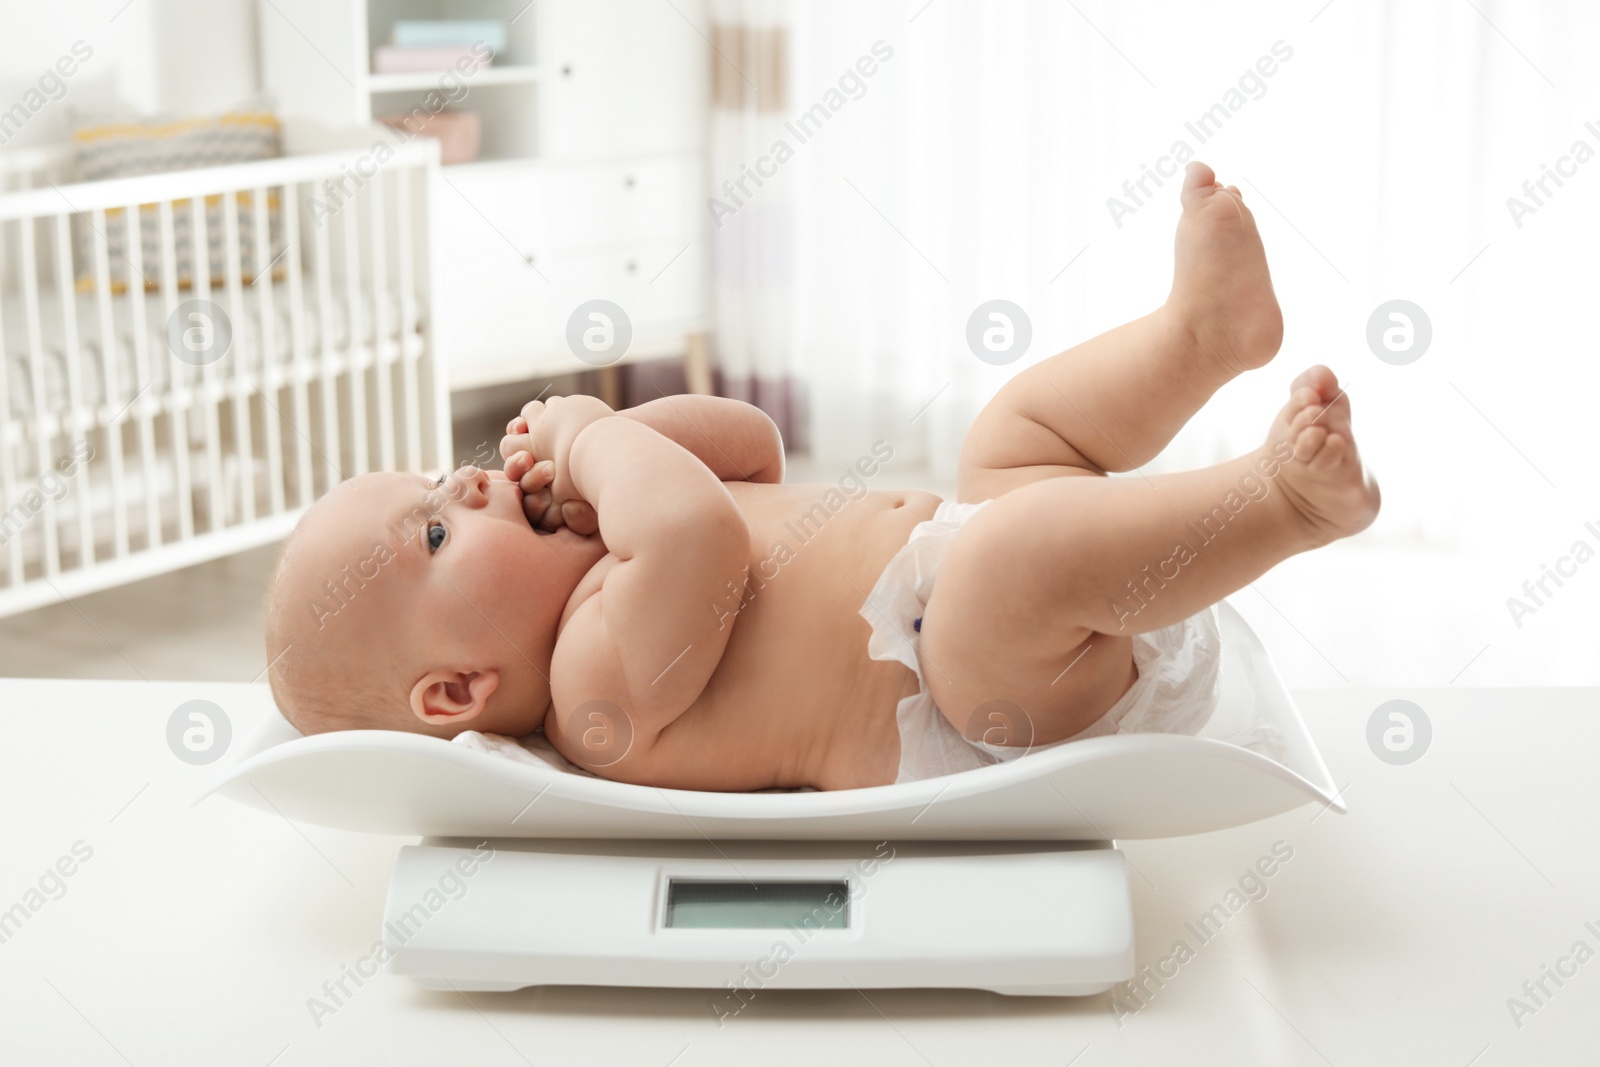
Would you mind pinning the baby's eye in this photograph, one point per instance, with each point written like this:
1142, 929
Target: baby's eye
435, 536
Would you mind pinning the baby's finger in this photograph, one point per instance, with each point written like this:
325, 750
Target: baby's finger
517, 466
537, 477
550, 521
517, 425
535, 505
580, 518
511, 444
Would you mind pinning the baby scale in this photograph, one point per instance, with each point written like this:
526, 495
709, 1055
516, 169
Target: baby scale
1004, 878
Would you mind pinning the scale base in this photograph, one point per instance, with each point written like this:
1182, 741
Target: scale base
738, 917
449, 985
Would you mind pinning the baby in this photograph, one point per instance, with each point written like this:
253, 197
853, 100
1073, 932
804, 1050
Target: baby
643, 587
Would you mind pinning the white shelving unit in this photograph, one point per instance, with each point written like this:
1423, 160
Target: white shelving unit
521, 74
590, 182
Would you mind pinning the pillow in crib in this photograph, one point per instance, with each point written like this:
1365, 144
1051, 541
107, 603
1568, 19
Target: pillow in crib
109, 147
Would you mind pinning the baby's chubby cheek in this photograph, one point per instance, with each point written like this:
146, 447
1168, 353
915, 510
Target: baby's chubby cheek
503, 560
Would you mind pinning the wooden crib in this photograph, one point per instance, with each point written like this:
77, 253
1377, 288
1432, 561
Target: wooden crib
189, 359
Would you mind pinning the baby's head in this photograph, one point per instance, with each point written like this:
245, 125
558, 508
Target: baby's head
405, 603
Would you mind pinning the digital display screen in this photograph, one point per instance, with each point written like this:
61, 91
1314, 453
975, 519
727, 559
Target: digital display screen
757, 905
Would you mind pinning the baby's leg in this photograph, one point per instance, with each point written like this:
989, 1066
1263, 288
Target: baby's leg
1113, 402
1040, 593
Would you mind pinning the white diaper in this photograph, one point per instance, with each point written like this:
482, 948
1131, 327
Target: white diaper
1176, 690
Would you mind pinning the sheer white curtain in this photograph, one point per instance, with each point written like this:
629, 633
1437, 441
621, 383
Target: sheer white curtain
948, 182
752, 215
1379, 143
979, 159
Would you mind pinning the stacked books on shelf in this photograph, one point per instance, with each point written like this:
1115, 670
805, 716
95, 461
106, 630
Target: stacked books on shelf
422, 45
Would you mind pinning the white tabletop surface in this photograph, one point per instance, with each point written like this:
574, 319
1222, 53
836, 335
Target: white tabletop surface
1396, 934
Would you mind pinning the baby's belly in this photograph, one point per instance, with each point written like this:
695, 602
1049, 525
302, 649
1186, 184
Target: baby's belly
795, 699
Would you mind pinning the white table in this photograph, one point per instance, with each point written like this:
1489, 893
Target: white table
1395, 934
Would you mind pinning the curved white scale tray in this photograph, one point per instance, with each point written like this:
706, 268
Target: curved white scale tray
1254, 759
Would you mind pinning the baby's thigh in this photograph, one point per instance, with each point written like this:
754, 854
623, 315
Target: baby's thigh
1000, 657
1007, 448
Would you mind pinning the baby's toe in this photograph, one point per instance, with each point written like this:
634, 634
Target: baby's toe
1339, 409
1335, 447
1199, 182
1308, 442
1320, 378
1303, 409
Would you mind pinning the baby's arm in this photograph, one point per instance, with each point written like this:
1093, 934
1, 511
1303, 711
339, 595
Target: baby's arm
651, 637
736, 440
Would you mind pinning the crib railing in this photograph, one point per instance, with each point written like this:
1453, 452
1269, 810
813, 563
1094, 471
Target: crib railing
188, 360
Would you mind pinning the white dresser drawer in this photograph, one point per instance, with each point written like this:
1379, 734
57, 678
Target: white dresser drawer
504, 322
651, 280
601, 205
539, 211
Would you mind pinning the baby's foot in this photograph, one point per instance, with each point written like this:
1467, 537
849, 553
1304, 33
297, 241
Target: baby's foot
1220, 286
1329, 489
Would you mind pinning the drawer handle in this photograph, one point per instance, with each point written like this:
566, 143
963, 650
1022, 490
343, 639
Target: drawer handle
627, 182
632, 266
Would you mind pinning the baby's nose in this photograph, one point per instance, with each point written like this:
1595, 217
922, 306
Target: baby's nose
474, 482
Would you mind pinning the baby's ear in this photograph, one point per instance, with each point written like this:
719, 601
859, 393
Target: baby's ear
443, 698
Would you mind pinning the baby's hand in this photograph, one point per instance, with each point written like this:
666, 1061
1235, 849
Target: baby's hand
538, 501
536, 447
537, 478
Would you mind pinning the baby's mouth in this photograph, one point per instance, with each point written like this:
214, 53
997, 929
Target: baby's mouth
519, 494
